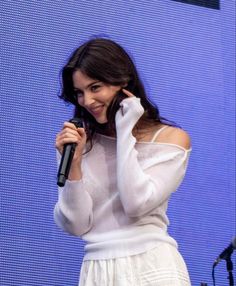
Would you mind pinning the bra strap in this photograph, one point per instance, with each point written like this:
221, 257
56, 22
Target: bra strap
158, 132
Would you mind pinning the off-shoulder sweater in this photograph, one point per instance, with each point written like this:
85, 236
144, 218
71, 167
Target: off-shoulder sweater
119, 206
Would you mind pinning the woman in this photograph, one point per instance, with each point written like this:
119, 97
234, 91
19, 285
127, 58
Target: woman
127, 163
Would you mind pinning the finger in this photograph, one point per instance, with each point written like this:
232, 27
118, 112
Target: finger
81, 132
66, 140
68, 133
69, 125
128, 93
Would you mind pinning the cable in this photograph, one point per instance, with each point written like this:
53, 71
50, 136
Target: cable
213, 275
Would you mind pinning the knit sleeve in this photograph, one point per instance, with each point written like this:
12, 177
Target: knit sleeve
144, 188
73, 210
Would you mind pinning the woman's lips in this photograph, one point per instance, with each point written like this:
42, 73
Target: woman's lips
96, 110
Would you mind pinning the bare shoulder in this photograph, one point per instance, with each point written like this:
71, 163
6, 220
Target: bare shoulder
174, 135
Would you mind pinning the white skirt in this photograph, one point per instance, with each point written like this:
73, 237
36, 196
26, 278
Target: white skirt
161, 266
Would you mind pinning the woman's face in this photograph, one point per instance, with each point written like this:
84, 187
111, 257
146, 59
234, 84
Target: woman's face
94, 95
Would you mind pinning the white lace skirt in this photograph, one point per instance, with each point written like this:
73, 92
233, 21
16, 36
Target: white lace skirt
161, 266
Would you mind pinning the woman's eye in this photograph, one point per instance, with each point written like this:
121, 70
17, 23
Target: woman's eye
78, 94
95, 88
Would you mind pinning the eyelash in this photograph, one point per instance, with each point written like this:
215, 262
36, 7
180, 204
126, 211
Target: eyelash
95, 87
78, 94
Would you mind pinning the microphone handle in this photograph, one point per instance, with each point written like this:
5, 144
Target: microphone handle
67, 156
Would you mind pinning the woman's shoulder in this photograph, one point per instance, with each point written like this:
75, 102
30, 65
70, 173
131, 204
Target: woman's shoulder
172, 135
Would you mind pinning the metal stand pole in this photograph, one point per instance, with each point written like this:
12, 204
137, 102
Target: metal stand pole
230, 270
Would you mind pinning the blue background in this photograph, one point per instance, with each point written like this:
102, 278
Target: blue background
185, 55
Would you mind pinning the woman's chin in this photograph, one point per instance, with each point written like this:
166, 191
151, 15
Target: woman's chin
101, 120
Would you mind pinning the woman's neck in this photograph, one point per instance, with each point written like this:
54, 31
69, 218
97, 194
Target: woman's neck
142, 128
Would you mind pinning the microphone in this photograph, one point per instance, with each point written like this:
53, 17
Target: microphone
226, 253
67, 156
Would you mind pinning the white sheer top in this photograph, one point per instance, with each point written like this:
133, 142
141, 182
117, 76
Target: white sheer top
119, 206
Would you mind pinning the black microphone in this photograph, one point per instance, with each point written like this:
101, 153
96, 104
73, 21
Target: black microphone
67, 156
226, 253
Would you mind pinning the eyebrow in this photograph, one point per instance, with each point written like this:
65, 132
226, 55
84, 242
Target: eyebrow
75, 88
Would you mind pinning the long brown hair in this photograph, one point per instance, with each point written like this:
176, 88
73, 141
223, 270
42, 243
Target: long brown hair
105, 60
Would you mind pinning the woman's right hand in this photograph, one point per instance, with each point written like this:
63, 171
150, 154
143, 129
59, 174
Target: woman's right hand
71, 134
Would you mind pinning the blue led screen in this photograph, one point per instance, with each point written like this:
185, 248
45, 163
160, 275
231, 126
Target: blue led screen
186, 57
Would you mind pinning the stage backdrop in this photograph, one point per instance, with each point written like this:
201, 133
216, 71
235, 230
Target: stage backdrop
185, 55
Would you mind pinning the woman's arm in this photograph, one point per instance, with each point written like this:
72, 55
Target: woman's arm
73, 210
144, 188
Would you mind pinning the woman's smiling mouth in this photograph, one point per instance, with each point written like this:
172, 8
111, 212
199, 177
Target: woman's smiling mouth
97, 110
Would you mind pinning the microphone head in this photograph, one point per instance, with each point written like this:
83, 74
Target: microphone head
78, 122
234, 242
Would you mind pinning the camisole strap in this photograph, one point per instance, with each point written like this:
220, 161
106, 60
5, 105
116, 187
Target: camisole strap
158, 132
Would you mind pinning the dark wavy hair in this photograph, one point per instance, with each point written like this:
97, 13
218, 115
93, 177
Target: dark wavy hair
104, 60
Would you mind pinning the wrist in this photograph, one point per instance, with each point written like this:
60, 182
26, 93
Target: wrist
129, 113
75, 171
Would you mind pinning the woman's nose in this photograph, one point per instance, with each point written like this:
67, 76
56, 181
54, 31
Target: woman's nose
87, 99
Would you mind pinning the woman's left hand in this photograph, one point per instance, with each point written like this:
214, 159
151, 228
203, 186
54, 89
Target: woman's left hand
130, 108
126, 92
129, 95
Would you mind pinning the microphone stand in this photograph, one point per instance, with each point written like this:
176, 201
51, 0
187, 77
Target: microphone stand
229, 265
